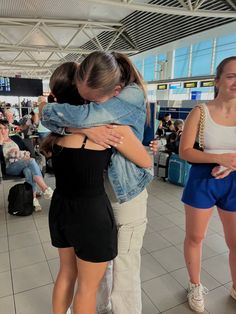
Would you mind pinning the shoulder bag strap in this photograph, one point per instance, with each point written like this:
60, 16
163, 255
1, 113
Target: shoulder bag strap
201, 128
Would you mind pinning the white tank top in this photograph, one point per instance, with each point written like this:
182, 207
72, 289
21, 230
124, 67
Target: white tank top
218, 138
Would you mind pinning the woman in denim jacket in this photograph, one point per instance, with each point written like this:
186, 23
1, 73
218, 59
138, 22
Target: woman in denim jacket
112, 80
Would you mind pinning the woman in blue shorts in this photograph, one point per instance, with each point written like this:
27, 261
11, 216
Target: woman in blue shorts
207, 187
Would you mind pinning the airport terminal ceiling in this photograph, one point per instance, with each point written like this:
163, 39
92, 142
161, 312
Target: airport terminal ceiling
36, 36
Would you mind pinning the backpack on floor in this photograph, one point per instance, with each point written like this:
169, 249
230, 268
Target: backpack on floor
20, 200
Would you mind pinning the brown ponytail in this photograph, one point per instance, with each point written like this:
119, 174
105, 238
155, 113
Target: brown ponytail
103, 71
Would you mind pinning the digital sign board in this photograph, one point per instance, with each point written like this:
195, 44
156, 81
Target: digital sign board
162, 86
190, 84
207, 83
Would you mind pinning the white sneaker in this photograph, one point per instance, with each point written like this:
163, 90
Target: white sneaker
37, 206
48, 193
195, 297
233, 293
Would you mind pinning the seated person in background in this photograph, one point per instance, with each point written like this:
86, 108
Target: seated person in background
173, 139
166, 125
27, 125
17, 160
15, 113
42, 131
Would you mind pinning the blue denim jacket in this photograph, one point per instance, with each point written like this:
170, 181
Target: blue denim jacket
128, 108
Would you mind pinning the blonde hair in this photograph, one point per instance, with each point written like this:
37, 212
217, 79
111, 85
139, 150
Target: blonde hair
103, 71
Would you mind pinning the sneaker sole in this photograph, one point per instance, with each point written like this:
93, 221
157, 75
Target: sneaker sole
196, 311
47, 197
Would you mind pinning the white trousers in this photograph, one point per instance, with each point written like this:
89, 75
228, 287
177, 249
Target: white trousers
125, 290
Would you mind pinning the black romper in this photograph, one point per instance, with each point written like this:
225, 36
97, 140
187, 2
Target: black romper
80, 214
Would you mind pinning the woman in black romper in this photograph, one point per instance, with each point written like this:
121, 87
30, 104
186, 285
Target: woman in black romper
81, 219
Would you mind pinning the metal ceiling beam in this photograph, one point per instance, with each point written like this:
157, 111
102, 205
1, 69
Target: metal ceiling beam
28, 34
7, 48
190, 5
183, 3
56, 22
79, 30
116, 36
232, 4
95, 41
167, 10
198, 4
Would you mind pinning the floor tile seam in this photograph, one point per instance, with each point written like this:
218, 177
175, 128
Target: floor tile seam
164, 215
158, 250
7, 295
167, 271
34, 288
47, 261
147, 296
157, 192
177, 300
39, 228
166, 228
53, 281
15, 234
11, 274
219, 254
24, 247
173, 227
28, 265
171, 308
222, 284
155, 277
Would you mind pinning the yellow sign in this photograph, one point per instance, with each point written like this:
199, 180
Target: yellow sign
207, 83
190, 84
162, 86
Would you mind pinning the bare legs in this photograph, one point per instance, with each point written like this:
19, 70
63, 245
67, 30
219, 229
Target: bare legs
40, 182
89, 276
229, 223
197, 221
64, 286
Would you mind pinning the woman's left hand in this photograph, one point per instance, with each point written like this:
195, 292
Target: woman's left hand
104, 135
154, 146
220, 174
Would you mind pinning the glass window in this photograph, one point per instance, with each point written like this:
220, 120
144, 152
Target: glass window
201, 58
181, 62
149, 68
139, 65
225, 47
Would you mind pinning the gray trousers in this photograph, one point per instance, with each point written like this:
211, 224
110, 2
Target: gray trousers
123, 289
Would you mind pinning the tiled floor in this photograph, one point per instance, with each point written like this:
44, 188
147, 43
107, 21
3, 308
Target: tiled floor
28, 262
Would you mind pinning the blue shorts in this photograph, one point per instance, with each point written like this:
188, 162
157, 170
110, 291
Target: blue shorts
204, 191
